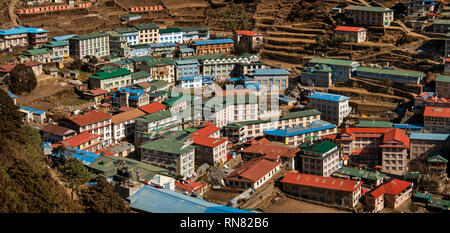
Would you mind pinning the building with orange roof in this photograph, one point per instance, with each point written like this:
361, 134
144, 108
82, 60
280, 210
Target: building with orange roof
83, 141
376, 146
191, 187
249, 39
358, 34
95, 122
210, 148
391, 194
253, 173
153, 107
436, 120
273, 151
329, 190
123, 125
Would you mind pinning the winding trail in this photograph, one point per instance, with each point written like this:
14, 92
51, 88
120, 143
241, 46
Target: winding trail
12, 13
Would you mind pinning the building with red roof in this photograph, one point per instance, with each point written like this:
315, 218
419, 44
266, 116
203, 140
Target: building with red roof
437, 119
324, 189
376, 146
210, 148
191, 187
252, 174
96, 95
250, 38
358, 34
83, 141
391, 194
447, 60
95, 122
56, 133
273, 151
153, 107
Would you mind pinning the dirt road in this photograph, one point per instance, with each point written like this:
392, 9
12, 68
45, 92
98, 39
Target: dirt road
12, 13
295, 206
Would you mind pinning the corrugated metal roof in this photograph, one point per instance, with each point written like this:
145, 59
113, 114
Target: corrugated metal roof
210, 42
271, 72
328, 96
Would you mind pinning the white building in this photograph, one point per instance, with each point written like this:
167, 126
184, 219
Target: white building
123, 124
334, 108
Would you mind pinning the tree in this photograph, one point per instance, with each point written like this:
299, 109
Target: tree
75, 173
10, 118
76, 64
101, 198
22, 79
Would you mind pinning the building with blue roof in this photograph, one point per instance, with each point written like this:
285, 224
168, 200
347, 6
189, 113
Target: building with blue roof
158, 49
129, 97
334, 107
184, 52
154, 200
84, 156
195, 81
213, 46
416, 128
271, 78
195, 33
300, 134
63, 38
12, 96
32, 115
186, 68
422, 144
23, 36
140, 50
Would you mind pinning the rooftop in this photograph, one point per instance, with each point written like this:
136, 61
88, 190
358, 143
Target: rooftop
328, 96
328, 61
79, 139
126, 116
258, 72
374, 124
146, 26
350, 29
89, 36
430, 136
320, 147
288, 131
253, 170
211, 42
437, 112
169, 30
393, 187
442, 78
111, 74
369, 175
21, 30
172, 143
156, 116
88, 118
57, 130
391, 72
368, 8
321, 182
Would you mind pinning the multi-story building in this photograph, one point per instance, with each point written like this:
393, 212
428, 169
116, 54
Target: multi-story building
221, 67
244, 69
437, 119
147, 33
318, 75
170, 35
210, 150
334, 108
391, 194
324, 189
56, 133
370, 178
320, 158
140, 50
129, 97
422, 144
111, 79
441, 25
185, 52
150, 125
123, 125
213, 46
130, 33
161, 69
42, 55
253, 173
162, 49
357, 34
301, 134
186, 68
140, 77
242, 130
248, 39
271, 78
376, 146
396, 76
195, 33
83, 141
60, 49
94, 122
23, 36
420, 8
93, 44
447, 52
342, 69
118, 44
442, 87
273, 151
173, 151
369, 15
195, 81
238, 108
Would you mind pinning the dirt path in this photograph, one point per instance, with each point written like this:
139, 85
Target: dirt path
12, 13
295, 206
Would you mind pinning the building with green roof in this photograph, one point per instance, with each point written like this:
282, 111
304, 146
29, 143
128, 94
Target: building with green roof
149, 126
317, 75
43, 55
59, 48
437, 163
140, 76
369, 15
374, 124
442, 85
342, 69
396, 76
372, 178
159, 85
441, 25
108, 80
320, 158
170, 35
173, 150
421, 197
439, 205
147, 33
92, 44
